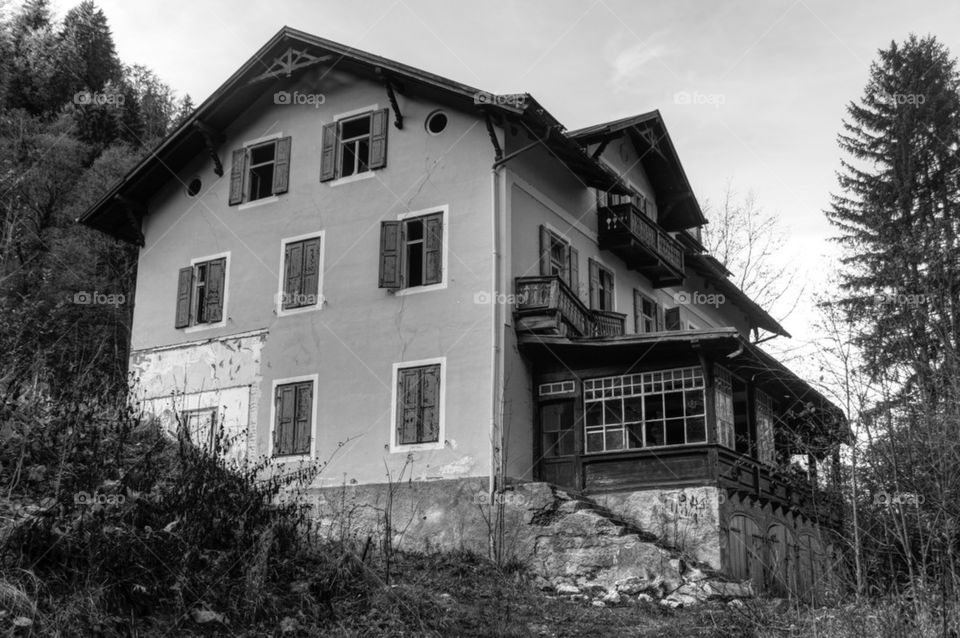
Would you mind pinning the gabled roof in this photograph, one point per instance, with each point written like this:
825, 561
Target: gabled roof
119, 212
677, 207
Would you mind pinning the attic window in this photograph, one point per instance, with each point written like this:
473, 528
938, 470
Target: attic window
436, 122
260, 170
354, 145
194, 186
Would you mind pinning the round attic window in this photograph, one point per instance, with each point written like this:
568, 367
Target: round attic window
436, 122
194, 186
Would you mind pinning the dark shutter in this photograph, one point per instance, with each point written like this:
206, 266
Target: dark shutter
216, 273
573, 264
433, 249
594, 284
430, 404
281, 167
328, 153
408, 405
301, 437
311, 270
660, 320
671, 319
638, 312
544, 251
607, 290
391, 241
292, 274
184, 290
378, 139
286, 416
237, 169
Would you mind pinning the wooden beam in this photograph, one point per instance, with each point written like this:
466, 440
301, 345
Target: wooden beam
212, 138
389, 84
289, 61
134, 212
497, 151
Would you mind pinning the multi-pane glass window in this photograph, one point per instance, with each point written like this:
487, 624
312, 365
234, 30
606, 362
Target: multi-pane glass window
724, 401
766, 452
648, 409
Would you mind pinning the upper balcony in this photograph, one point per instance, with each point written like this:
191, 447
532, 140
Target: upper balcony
546, 305
630, 234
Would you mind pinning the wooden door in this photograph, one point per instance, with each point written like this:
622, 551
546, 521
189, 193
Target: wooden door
745, 548
559, 461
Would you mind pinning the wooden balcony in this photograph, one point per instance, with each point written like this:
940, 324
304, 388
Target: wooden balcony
628, 233
547, 306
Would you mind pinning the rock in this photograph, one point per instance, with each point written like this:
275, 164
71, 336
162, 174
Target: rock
644, 598
693, 574
598, 603
22, 621
721, 589
611, 597
203, 616
566, 588
289, 625
680, 600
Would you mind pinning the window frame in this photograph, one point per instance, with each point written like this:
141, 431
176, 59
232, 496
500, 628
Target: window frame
246, 202
276, 383
444, 249
602, 268
338, 119
215, 424
286, 312
440, 443
656, 318
196, 327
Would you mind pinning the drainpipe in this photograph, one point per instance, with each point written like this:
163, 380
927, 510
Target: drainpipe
497, 469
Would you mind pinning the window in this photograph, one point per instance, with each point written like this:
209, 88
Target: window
608, 199
601, 287
765, 411
354, 145
556, 428
649, 409
671, 319
201, 292
724, 401
302, 273
646, 313
436, 122
418, 408
411, 252
200, 427
293, 418
260, 170
558, 257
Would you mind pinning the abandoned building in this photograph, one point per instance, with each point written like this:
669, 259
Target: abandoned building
348, 260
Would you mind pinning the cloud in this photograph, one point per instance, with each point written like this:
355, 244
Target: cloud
627, 63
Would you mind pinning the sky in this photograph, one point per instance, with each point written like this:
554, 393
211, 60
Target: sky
752, 92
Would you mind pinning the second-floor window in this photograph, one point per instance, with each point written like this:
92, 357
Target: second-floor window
260, 170
765, 411
601, 287
411, 252
558, 257
646, 313
354, 145
301, 274
200, 293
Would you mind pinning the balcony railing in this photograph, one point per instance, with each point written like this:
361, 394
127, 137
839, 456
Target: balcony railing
546, 305
638, 240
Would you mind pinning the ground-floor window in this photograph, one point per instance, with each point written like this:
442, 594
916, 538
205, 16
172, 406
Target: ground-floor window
649, 409
724, 403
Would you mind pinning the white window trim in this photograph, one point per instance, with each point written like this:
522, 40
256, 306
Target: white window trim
263, 200
226, 293
315, 379
357, 177
441, 437
352, 113
367, 174
259, 202
281, 312
444, 272
261, 140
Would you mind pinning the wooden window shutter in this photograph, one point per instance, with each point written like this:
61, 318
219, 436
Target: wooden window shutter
608, 291
433, 249
286, 416
391, 242
594, 283
311, 269
544, 251
237, 169
184, 290
430, 405
659, 310
378, 138
304, 412
281, 167
408, 405
328, 153
293, 274
638, 311
671, 319
216, 275
573, 265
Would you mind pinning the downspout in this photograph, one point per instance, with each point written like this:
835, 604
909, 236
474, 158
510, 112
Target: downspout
497, 338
